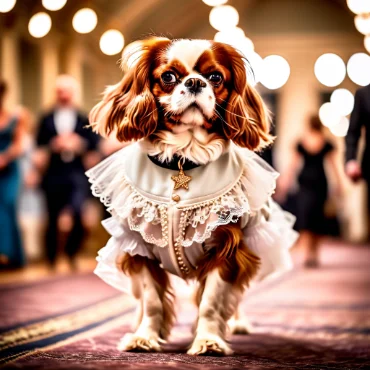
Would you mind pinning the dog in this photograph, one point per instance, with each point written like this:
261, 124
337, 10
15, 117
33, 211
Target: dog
184, 198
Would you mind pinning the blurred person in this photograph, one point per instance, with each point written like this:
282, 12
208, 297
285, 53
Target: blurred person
66, 147
360, 119
12, 128
307, 161
31, 207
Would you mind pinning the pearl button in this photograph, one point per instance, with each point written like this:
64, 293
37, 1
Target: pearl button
176, 198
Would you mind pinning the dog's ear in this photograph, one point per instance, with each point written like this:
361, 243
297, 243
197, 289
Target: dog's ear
248, 121
128, 108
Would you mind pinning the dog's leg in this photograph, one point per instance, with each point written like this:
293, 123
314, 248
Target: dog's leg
147, 334
138, 294
217, 305
225, 270
152, 285
239, 324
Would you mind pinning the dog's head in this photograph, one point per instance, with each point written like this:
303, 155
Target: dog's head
183, 85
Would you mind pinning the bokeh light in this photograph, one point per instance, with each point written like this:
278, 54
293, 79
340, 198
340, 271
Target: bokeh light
215, 2
362, 23
341, 128
358, 69
330, 69
329, 115
245, 45
343, 101
367, 43
53, 5
275, 72
85, 20
7, 5
235, 37
223, 17
230, 36
39, 25
359, 6
112, 42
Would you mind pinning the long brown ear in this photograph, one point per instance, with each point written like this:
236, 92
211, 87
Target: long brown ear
248, 121
129, 108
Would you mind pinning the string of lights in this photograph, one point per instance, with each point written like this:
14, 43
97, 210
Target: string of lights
273, 71
362, 19
84, 21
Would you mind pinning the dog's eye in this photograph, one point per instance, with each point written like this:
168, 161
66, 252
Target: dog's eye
168, 78
216, 78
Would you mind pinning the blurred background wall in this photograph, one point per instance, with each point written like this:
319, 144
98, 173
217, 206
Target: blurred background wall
298, 30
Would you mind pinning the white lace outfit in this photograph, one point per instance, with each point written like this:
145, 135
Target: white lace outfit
151, 219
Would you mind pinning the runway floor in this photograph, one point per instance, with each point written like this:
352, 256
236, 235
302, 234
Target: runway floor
306, 319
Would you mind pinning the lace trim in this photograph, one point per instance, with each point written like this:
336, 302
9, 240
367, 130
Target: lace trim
150, 218
233, 217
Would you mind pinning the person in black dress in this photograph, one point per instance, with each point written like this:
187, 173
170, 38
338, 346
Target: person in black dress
310, 152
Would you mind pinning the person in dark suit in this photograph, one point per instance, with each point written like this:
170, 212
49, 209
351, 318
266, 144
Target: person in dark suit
65, 142
360, 119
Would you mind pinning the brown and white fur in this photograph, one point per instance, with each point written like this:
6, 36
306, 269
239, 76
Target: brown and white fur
189, 98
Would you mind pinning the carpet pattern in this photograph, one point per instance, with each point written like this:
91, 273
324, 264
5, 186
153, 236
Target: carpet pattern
306, 319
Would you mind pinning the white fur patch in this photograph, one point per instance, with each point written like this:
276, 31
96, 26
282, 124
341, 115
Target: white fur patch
192, 116
188, 51
191, 142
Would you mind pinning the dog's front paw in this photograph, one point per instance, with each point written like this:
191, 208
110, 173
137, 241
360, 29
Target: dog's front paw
209, 345
134, 342
240, 326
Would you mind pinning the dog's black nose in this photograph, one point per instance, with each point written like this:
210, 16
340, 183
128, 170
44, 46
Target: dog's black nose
195, 85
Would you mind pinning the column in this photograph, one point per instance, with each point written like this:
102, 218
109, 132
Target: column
49, 71
10, 66
74, 63
297, 100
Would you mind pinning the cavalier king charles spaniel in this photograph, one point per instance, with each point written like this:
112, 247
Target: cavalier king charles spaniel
187, 102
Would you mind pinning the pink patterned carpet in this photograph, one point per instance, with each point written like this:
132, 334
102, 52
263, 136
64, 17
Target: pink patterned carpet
307, 319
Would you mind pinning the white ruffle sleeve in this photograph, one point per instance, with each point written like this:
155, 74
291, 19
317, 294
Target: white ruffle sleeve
269, 234
122, 241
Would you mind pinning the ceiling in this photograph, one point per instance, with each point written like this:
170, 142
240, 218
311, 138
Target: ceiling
185, 18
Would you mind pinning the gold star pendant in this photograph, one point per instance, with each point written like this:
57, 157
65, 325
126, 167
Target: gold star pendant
181, 180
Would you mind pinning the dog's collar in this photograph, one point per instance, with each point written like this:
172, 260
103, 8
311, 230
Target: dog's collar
174, 163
